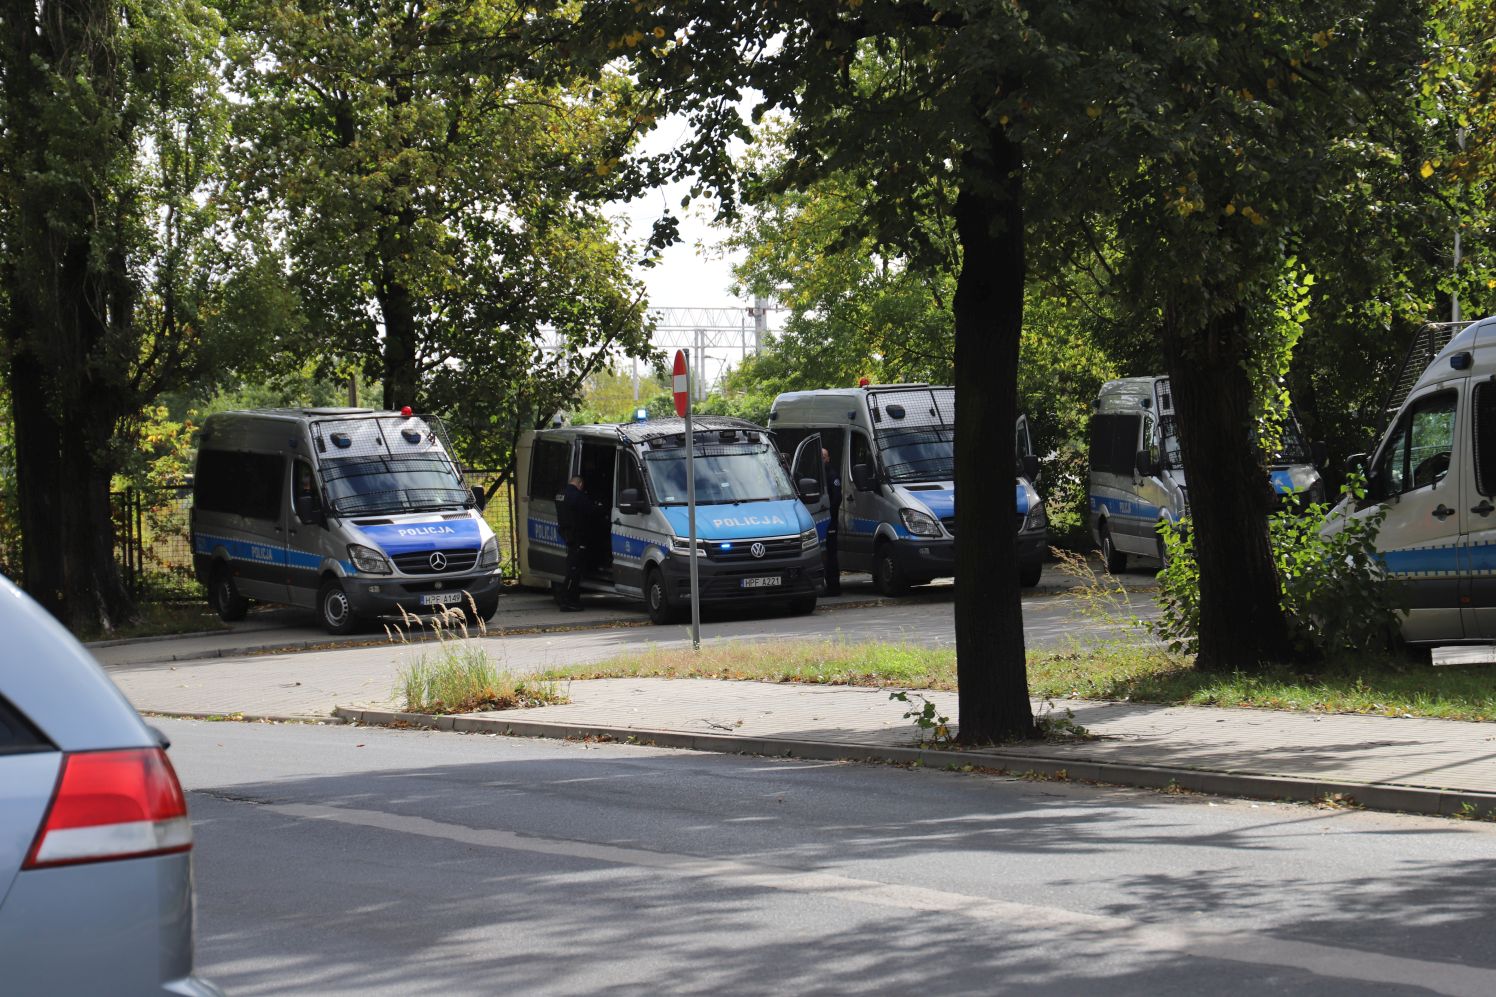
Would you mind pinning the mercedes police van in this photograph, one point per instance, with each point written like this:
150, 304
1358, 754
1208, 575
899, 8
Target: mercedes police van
1137, 476
1434, 474
755, 539
353, 512
893, 447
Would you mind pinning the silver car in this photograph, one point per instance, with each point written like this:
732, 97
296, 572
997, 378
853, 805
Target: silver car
95, 845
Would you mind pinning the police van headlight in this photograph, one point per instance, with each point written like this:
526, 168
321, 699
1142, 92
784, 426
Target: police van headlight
368, 560
682, 545
1036, 519
488, 557
919, 523
810, 540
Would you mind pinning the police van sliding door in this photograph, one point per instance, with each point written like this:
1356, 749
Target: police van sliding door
634, 530
550, 468
1478, 508
1416, 477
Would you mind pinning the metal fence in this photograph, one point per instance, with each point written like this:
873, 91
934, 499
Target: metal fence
155, 551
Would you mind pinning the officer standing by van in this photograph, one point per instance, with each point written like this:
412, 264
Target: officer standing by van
576, 515
834, 492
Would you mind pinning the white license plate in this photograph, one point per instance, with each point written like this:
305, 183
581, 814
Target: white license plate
761, 582
440, 598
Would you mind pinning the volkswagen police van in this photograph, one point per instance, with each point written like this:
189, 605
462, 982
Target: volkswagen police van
893, 447
1137, 476
351, 512
756, 539
1434, 475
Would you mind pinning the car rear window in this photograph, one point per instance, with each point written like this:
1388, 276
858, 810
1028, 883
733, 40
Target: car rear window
17, 734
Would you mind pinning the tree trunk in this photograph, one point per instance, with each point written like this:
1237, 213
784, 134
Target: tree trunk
38, 442
402, 381
1242, 626
991, 669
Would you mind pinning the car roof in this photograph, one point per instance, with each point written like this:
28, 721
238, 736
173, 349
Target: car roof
56, 684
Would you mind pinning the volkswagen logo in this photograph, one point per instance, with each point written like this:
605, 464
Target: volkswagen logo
438, 561
758, 550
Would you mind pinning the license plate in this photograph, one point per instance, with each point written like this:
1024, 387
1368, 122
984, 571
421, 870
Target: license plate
440, 598
761, 582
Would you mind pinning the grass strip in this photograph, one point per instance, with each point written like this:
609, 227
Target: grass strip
1118, 672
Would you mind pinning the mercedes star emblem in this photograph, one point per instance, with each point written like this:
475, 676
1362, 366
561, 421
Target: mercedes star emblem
438, 561
758, 550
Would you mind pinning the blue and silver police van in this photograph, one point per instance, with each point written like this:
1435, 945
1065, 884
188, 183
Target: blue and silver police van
893, 448
756, 539
351, 512
1137, 476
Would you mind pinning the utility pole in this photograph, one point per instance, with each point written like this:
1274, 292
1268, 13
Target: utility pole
1459, 137
760, 321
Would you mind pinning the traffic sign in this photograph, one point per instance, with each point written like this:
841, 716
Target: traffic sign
681, 383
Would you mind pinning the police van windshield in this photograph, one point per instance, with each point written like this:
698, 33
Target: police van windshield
364, 485
1291, 446
726, 473
925, 453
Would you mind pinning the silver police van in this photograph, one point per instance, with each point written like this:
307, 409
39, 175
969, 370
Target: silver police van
756, 540
1137, 476
893, 447
1434, 476
352, 512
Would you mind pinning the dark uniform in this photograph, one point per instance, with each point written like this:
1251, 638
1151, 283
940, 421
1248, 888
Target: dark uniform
833, 564
575, 516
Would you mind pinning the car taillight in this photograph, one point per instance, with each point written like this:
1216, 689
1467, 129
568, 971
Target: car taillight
113, 805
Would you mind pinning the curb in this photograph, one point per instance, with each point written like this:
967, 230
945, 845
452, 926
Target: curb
274, 718
1371, 796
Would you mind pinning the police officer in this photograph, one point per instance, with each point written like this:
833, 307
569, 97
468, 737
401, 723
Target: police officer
575, 516
828, 552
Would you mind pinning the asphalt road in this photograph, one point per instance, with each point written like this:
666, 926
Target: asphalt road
344, 860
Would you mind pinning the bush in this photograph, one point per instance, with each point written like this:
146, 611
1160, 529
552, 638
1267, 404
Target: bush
1334, 593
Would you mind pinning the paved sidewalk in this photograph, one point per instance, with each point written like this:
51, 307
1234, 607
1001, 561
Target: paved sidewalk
1402, 764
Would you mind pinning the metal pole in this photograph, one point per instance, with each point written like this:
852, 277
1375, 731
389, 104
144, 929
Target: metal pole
636, 379
1459, 137
691, 512
760, 321
699, 365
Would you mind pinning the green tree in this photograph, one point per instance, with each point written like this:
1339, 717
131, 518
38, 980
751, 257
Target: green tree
1236, 142
438, 170
118, 279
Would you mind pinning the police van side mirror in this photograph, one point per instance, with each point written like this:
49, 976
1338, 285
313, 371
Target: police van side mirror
480, 498
809, 488
307, 511
862, 478
1031, 467
631, 503
1145, 465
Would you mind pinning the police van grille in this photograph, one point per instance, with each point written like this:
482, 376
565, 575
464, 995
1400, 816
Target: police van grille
742, 550
419, 563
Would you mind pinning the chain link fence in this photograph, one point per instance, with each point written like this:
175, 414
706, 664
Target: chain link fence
154, 548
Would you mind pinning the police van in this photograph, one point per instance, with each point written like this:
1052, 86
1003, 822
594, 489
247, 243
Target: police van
756, 540
351, 512
893, 447
1434, 474
1137, 476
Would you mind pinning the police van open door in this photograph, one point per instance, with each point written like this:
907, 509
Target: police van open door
809, 473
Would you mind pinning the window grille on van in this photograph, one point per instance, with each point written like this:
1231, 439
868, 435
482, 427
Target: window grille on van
1427, 343
917, 453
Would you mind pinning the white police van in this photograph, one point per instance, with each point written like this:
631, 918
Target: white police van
756, 540
1137, 476
353, 512
1434, 474
893, 447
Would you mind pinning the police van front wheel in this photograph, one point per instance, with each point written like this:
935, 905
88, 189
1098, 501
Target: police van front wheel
337, 612
1116, 561
657, 599
227, 601
888, 577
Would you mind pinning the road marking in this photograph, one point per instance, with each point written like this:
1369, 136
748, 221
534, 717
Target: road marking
1322, 960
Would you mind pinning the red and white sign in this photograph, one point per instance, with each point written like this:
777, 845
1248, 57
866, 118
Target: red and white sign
681, 384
